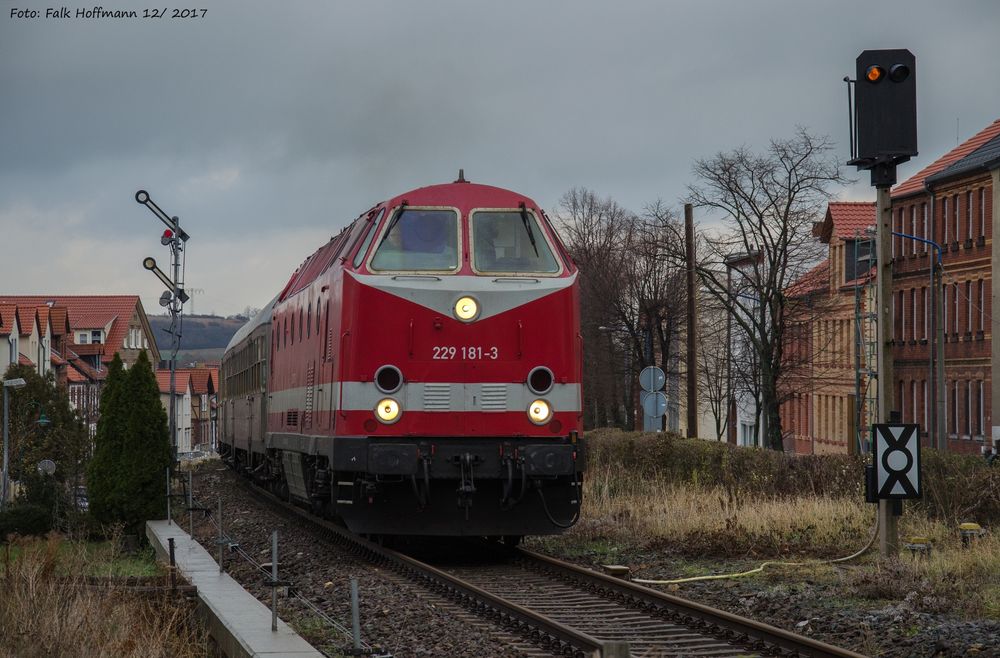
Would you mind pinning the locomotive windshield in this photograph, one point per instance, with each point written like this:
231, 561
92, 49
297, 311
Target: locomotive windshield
510, 241
419, 240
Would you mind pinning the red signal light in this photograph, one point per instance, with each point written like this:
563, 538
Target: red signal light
167, 234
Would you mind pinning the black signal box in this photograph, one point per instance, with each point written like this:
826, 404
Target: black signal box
885, 107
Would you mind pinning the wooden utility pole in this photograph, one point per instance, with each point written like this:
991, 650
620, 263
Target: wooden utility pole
888, 533
692, 326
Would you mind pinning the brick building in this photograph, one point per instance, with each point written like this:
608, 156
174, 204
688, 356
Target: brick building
951, 203
819, 389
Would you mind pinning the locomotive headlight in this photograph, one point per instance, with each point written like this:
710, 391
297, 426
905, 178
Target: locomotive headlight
388, 410
466, 309
539, 412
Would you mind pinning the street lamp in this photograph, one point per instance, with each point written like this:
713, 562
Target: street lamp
8, 384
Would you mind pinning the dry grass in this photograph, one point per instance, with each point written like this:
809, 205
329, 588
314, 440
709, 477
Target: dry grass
709, 520
48, 608
658, 511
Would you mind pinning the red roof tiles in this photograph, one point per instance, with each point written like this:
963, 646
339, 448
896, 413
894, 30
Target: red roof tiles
25, 361
182, 381
851, 218
90, 312
915, 184
202, 382
818, 278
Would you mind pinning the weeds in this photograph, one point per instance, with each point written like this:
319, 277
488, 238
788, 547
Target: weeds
51, 608
703, 499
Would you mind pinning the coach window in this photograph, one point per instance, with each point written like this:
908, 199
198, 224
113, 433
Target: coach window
510, 241
309, 322
300, 325
419, 240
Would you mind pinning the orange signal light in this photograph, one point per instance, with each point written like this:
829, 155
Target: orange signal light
875, 73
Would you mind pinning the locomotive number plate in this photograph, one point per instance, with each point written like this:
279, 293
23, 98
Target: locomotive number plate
465, 352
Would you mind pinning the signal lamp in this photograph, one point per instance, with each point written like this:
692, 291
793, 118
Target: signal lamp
540, 380
149, 263
387, 410
388, 379
539, 412
875, 74
899, 72
466, 309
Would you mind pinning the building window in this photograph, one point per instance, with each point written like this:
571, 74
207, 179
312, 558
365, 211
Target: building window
913, 397
95, 336
982, 304
913, 229
944, 308
968, 305
902, 399
968, 211
954, 408
902, 315
83, 338
982, 211
968, 406
924, 233
981, 416
913, 313
955, 296
954, 213
944, 217
923, 301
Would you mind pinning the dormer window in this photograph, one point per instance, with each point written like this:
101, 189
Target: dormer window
857, 258
95, 337
83, 338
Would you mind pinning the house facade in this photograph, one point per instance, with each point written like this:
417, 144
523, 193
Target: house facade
826, 365
949, 202
183, 388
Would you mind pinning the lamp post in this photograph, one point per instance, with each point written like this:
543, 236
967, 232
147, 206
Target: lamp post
8, 384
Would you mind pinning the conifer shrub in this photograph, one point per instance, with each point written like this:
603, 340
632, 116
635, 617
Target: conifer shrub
132, 449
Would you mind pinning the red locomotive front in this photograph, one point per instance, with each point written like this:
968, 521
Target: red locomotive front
441, 393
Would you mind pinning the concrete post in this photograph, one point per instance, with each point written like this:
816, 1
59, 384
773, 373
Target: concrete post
888, 531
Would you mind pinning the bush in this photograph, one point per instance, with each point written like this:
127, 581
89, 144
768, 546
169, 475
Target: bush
25, 519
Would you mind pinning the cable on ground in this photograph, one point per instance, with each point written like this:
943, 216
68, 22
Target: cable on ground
722, 576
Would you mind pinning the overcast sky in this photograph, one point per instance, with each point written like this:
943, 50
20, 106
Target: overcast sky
267, 126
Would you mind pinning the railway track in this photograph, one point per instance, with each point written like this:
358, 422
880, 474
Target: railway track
572, 611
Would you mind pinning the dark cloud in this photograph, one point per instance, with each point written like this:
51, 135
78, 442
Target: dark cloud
264, 121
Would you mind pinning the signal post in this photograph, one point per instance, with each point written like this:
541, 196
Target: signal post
883, 135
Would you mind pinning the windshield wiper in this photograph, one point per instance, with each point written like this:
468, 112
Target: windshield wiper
527, 227
392, 222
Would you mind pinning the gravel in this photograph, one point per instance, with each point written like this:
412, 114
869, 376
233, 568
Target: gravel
819, 607
405, 619
396, 615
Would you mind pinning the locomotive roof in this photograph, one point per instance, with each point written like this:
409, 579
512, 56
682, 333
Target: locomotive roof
263, 317
462, 195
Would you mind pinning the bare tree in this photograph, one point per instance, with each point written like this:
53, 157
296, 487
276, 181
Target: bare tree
769, 202
632, 294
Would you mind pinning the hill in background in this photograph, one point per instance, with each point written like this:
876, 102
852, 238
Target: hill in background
204, 337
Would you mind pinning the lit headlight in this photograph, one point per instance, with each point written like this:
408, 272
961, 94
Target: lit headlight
539, 412
388, 410
466, 309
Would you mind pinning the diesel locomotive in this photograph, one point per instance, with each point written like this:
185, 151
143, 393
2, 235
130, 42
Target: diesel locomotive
420, 373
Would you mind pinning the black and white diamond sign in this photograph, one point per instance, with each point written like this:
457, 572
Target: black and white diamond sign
897, 460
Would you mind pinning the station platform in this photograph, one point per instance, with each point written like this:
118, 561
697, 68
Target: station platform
239, 623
